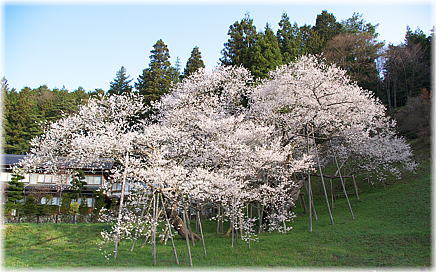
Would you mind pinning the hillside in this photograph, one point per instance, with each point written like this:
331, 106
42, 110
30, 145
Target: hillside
392, 228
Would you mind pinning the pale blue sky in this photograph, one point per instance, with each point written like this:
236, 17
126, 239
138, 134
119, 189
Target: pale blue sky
84, 45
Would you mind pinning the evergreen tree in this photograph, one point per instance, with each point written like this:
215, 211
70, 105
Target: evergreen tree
290, 40
15, 193
24, 122
121, 83
326, 26
77, 183
237, 50
266, 55
26, 112
356, 24
159, 77
178, 68
194, 62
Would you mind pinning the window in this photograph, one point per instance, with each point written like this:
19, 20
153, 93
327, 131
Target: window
42, 178
33, 178
6, 177
50, 200
56, 201
48, 179
89, 202
93, 180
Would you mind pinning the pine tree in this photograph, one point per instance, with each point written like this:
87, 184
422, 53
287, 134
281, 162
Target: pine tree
237, 49
178, 68
24, 121
157, 79
266, 55
326, 26
121, 83
15, 193
194, 62
290, 40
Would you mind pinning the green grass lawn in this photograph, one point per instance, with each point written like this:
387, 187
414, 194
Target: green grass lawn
392, 229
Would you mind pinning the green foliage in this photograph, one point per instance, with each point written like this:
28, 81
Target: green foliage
121, 83
74, 208
157, 79
15, 193
356, 24
296, 41
194, 62
26, 112
100, 202
242, 36
65, 204
77, 181
290, 39
30, 206
265, 54
326, 27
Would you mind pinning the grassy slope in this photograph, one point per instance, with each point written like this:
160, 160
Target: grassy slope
392, 228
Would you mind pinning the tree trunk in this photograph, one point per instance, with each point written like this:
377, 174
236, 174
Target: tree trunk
180, 227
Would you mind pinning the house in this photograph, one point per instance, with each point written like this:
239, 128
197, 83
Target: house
54, 185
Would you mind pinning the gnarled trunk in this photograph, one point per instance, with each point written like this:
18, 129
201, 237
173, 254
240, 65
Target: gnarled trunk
180, 226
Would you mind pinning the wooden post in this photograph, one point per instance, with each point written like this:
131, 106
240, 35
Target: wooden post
187, 238
322, 180
355, 187
331, 189
218, 219
201, 232
310, 204
154, 226
251, 211
189, 227
343, 185
233, 231
169, 230
260, 214
123, 189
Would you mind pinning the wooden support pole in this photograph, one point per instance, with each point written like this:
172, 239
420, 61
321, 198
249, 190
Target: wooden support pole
233, 231
343, 185
153, 228
303, 204
169, 229
260, 214
355, 187
201, 233
309, 187
322, 180
120, 209
189, 227
331, 189
310, 205
218, 219
187, 238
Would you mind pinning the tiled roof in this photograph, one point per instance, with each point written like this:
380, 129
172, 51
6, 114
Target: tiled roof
8, 160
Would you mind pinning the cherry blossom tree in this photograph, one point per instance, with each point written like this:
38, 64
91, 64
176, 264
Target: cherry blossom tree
220, 140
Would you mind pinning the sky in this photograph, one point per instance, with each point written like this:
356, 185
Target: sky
72, 45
